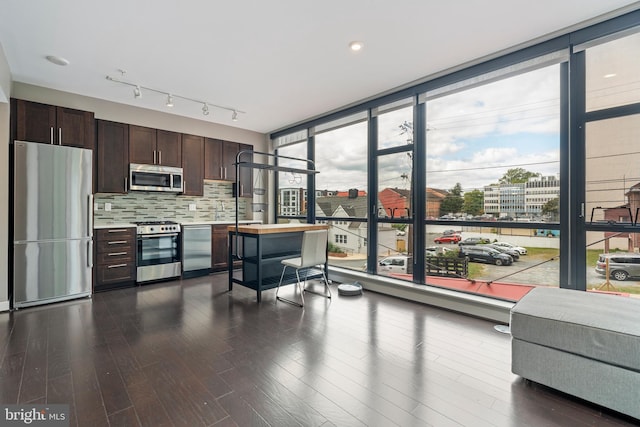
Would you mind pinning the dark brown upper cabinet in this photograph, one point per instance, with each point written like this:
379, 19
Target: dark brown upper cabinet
193, 164
49, 124
113, 156
220, 158
150, 146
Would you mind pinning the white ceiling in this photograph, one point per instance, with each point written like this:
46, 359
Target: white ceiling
281, 61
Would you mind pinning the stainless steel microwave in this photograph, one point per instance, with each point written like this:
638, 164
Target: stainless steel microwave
155, 178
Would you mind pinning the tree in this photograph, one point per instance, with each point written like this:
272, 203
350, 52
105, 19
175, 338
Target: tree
473, 202
517, 176
552, 207
453, 201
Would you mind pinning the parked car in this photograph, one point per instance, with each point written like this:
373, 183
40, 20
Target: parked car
469, 241
622, 265
450, 238
520, 249
484, 254
509, 251
436, 250
449, 232
399, 264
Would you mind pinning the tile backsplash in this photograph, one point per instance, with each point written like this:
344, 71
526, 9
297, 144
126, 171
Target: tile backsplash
217, 204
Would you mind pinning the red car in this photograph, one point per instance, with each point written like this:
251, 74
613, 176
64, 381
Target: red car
449, 238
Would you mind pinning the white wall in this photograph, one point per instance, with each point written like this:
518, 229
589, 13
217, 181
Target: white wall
103, 110
5, 94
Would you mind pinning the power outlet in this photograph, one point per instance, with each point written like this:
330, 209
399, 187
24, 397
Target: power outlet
192, 206
96, 206
107, 207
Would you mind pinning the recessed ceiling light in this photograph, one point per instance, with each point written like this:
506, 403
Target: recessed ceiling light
356, 46
608, 76
58, 60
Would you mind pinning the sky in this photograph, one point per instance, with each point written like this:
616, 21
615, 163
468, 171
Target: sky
473, 137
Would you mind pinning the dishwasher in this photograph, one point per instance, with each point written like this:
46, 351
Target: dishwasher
196, 250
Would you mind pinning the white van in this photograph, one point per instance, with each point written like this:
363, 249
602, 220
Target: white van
396, 264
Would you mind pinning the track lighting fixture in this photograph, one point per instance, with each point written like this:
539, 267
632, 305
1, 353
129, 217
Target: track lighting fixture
137, 93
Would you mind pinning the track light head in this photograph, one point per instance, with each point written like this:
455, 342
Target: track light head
206, 105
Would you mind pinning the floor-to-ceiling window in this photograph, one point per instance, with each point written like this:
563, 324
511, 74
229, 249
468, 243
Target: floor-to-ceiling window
394, 175
533, 152
612, 156
493, 173
291, 197
341, 190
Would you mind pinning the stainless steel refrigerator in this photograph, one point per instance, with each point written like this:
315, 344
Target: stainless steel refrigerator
52, 223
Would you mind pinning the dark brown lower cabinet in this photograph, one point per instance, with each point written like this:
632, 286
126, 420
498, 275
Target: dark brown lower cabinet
115, 258
219, 248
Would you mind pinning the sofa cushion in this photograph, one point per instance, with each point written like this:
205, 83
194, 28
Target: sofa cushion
593, 325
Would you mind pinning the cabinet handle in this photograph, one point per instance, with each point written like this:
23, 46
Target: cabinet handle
225, 173
125, 184
90, 214
51, 137
59, 136
221, 173
117, 230
154, 157
117, 242
116, 253
116, 265
90, 254
159, 157
241, 190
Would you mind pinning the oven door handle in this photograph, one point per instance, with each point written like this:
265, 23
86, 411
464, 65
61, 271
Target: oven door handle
152, 236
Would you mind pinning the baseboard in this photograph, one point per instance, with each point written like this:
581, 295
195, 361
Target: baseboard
4, 306
475, 305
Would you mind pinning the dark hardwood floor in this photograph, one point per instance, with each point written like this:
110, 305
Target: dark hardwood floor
188, 353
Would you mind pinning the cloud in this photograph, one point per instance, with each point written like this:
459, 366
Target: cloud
473, 137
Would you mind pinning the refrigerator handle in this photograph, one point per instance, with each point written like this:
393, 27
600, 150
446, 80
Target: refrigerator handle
90, 215
90, 254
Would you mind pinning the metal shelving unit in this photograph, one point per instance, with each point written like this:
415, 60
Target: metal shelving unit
261, 254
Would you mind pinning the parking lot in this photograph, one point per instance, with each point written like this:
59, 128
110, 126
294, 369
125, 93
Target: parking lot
530, 269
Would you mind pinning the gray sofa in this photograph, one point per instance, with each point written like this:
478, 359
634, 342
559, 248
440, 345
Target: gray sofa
582, 343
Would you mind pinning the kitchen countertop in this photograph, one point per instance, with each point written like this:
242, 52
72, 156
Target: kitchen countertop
129, 224
276, 228
113, 225
244, 221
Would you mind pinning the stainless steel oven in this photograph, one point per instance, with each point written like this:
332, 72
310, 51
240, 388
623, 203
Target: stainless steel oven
158, 251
